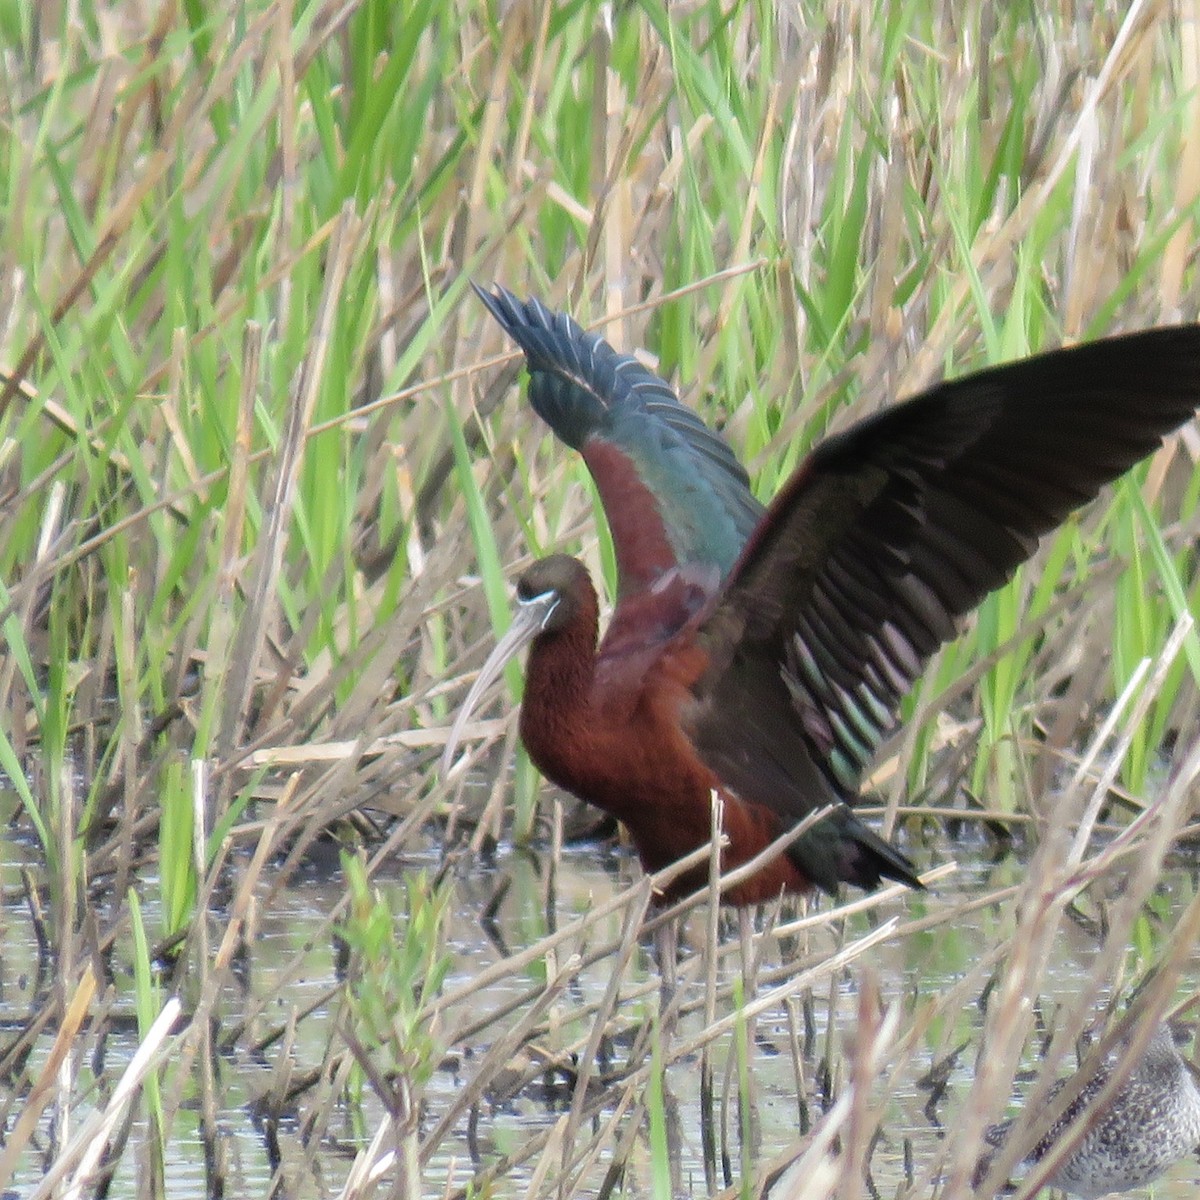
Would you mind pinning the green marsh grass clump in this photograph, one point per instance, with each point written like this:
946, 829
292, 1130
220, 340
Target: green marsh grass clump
398, 964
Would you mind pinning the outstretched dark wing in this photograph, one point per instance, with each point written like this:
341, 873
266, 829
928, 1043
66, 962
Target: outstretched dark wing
893, 530
672, 490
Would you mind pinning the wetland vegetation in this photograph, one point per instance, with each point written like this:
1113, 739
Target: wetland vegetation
265, 473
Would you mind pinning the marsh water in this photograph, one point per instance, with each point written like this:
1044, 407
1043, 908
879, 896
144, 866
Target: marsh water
292, 967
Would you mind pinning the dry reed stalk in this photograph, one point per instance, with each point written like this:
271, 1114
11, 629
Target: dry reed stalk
77, 1161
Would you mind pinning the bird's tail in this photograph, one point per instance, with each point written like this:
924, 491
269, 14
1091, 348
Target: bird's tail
869, 859
841, 849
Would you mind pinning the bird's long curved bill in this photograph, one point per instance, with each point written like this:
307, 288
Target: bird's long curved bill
527, 622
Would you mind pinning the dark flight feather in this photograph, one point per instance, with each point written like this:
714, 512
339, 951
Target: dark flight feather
892, 531
589, 395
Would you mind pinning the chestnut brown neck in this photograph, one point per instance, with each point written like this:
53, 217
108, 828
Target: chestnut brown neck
558, 683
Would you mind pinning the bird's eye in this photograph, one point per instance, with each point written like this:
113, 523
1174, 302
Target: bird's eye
527, 593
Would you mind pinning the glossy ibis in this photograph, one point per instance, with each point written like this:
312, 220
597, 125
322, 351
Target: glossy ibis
762, 654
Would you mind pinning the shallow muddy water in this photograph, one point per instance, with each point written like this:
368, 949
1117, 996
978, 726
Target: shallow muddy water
293, 967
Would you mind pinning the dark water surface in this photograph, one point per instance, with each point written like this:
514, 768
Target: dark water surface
291, 932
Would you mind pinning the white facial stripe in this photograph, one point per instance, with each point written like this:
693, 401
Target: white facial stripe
550, 599
540, 598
